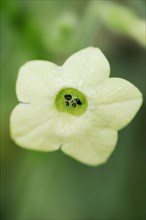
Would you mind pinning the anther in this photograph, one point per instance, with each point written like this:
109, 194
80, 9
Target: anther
67, 103
78, 101
68, 97
74, 104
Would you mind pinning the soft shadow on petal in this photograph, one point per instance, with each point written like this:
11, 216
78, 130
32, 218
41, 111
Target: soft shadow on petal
92, 148
32, 127
38, 80
116, 103
86, 69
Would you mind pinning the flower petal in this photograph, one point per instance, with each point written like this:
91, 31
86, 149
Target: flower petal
116, 102
37, 80
32, 127
92, 148
86, 68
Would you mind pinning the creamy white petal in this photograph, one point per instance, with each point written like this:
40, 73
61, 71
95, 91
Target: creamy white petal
115, 103
93, 147
38, 80
86, 68
32, 127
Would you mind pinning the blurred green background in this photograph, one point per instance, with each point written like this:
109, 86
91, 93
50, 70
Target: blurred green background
51, 185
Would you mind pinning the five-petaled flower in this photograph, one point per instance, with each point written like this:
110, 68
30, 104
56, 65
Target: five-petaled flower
75, 107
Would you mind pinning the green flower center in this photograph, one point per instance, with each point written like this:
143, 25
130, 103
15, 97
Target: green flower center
71, 101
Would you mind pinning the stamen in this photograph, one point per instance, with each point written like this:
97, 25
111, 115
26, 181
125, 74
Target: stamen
67, 103
78, 101
74, 104
68, 97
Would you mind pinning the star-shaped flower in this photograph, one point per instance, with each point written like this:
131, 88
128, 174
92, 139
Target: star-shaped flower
75, 107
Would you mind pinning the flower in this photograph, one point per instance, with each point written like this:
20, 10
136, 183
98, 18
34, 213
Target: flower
75, 107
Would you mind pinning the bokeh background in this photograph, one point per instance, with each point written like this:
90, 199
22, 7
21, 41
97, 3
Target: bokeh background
53, 186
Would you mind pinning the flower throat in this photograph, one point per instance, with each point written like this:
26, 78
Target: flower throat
71, 101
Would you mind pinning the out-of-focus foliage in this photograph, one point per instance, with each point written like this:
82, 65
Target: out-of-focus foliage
123, 20
52, 185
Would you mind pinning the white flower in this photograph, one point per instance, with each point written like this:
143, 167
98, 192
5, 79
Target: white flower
75, 107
